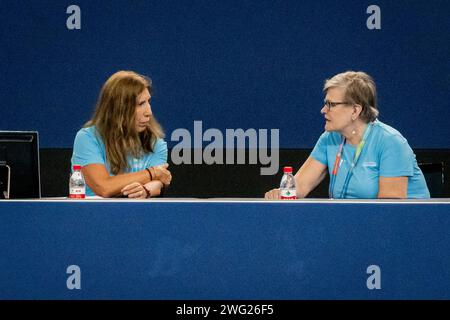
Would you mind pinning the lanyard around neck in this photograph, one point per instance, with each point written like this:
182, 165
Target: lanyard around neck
337, 162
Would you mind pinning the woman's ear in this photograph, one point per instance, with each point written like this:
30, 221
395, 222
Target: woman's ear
357, 109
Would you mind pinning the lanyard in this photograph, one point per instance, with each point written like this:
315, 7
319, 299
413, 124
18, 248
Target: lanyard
337, 163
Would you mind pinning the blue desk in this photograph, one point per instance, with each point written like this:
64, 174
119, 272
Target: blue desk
203, 249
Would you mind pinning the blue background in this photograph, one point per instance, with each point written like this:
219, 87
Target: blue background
232, 64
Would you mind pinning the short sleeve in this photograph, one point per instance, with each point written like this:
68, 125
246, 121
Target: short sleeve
87, 149
160, 151
319, 152
397, 158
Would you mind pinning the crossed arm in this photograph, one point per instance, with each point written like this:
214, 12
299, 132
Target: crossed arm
128, 184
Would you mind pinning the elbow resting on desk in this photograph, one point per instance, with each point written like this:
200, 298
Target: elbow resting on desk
104, 189
304, 187
107, 186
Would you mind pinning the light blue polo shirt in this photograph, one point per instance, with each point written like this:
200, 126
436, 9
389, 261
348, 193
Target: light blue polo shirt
89, 148
386, 153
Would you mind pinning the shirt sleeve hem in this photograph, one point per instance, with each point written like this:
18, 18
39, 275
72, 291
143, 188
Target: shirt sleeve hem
396, 174
325, 164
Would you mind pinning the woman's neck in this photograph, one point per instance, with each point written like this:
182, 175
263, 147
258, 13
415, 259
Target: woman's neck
355, 132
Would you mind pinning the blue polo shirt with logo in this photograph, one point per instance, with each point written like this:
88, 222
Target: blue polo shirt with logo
386, 153
89, 148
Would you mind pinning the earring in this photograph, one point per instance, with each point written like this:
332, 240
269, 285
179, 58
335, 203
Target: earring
353, 131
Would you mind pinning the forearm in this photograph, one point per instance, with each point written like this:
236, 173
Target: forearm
110, 186
309, 176
114, 184
303, 191
304, 188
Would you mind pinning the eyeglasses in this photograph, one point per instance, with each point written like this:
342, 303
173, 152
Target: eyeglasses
330, 104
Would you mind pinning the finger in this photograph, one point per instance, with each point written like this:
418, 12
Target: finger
164, 171
136, 189
272, 194
160, 172
134, 195
137, 194
167, 176
163, 166
130, 186
124, 189
275, 194
165, 179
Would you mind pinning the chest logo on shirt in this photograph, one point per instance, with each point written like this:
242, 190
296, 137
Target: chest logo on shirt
369, 164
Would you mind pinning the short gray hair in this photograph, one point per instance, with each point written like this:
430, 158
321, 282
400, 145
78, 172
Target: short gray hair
359, 89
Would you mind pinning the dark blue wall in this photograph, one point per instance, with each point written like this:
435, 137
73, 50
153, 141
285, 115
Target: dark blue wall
233, 64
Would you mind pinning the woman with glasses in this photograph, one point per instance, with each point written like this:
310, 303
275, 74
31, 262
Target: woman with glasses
364, 157
121, 149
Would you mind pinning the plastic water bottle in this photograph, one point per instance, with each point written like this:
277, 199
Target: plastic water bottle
77, 185
287, 185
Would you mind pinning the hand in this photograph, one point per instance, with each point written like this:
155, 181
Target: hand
273, 194
154, 188
134, 190
162, 174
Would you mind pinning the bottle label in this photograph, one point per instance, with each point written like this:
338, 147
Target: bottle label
77, 193
288, 194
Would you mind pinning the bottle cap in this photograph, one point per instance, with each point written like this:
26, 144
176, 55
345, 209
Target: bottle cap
76, 167
287, 170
